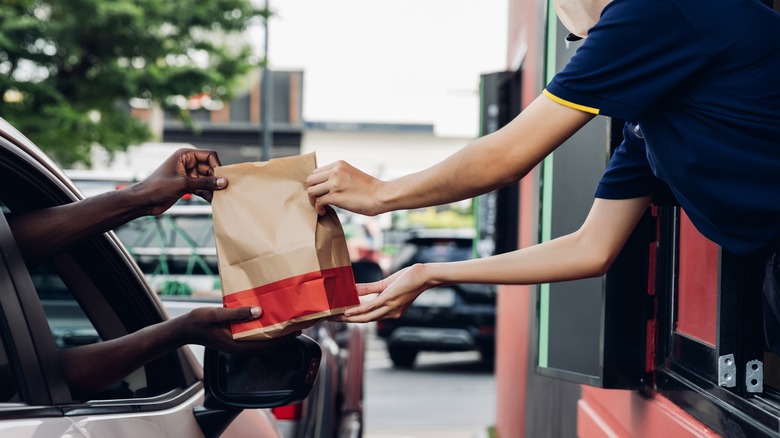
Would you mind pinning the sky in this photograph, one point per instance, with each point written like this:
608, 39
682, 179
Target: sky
382, 61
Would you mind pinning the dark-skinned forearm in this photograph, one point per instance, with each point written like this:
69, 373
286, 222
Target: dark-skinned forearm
92, 368
46, 232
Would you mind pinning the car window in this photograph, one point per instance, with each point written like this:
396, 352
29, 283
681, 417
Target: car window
9, 391
69, 325
88, 295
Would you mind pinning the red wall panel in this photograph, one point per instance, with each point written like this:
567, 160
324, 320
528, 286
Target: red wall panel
697, 300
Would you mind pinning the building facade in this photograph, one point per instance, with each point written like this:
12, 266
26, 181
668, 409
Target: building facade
667, 343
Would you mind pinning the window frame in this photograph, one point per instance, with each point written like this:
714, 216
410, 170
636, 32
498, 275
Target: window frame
28, 340
686, 370
33, 353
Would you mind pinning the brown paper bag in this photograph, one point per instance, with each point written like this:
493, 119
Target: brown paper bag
274, 250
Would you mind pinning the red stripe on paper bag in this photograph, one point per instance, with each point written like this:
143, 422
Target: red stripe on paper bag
296, 297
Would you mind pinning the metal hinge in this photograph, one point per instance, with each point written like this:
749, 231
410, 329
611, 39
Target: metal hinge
727, 371
754, 374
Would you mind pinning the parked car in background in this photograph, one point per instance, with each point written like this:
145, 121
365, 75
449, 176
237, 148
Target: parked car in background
90, 182
91, 292
177, 254
458, 317
364, 243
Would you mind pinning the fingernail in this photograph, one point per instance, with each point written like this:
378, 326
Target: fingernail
221, 182
256, 311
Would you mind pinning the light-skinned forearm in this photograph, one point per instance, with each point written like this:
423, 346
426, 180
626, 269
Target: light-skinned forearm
588, 252
561, 259
488, 163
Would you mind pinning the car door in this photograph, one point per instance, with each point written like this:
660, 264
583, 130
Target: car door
61, 303
90, 293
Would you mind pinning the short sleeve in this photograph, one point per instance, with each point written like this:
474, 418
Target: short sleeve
628, 174
638, 53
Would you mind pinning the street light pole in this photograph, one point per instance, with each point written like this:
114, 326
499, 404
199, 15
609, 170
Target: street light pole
266, 97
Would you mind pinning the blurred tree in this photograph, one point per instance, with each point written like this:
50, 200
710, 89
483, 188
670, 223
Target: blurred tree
68, 68
455, 215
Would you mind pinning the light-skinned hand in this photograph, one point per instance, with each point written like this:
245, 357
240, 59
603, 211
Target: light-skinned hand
396, 294
344, 186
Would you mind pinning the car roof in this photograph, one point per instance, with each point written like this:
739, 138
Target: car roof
440, 234
29, 152
198, 209
99, 175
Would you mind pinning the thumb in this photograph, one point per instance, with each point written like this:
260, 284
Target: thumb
370, 288
206, 183
242, 314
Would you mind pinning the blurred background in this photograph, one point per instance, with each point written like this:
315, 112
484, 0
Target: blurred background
391, 88
109, 88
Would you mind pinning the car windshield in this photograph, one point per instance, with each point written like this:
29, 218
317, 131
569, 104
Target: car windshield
176, 250
441, 252
182, 229
433, 251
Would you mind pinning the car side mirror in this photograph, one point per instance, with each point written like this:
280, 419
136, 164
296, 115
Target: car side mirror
275, 377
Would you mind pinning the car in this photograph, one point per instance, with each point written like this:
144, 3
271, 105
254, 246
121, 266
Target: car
90, 182
94, 291
457, 317
177, 254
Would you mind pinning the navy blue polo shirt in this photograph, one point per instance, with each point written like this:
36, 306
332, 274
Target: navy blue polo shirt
701, 78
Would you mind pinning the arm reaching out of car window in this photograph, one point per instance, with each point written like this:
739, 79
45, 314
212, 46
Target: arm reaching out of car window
91, 368
43, 233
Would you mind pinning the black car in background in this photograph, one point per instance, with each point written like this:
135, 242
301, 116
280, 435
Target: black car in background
459, 317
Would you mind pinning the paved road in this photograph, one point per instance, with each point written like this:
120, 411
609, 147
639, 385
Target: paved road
446, 395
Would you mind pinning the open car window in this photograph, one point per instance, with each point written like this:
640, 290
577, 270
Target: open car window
88, 294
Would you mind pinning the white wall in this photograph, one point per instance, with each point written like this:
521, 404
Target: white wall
384, 156
400, 61
138, 161
381, 61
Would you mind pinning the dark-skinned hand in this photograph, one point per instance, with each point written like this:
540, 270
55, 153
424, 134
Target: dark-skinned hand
210, 327
185, 171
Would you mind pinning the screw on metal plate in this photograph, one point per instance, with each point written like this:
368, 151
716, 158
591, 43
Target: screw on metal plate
754, 376
727, 371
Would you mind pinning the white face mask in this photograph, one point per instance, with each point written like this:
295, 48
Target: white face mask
579, 15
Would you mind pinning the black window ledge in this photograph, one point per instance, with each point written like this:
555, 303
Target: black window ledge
721, 410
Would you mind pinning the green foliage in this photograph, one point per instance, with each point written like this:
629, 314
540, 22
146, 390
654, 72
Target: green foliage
448, 216
69, 67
